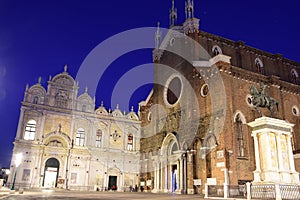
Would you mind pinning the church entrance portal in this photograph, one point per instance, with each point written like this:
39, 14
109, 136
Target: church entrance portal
51, 173
112, 183
174, 178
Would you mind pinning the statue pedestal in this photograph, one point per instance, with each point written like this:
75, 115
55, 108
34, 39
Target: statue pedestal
273, 151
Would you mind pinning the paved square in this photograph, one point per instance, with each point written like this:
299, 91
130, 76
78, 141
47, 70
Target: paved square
75, 195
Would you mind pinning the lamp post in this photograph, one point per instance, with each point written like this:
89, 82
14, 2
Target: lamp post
18, 160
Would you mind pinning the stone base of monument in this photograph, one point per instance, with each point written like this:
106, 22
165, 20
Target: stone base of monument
275, 176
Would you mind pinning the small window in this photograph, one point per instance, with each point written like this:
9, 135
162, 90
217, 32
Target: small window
130, 142
80, 137
216, 50
294, 76
83, 108
30, 130
36, 100
259, 66
98, 138
240, 135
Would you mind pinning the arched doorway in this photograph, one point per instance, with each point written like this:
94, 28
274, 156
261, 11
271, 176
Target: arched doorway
51, 173
171, 171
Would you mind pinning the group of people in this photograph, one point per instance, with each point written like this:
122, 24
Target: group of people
133, 189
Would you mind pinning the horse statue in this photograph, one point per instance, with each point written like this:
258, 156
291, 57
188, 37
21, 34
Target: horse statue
260, 99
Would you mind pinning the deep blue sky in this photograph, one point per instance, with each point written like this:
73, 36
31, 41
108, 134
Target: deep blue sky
37, 38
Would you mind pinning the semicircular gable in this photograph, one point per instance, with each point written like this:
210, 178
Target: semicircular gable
37, 89
64, 79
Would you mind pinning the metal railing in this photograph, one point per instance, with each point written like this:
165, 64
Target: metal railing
215, 190
263, 192
290, 192
237, 191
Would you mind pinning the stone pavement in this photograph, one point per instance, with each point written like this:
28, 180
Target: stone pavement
76, 195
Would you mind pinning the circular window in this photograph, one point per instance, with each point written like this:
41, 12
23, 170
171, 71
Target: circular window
295, 110
173, 90
249, 100
204, 90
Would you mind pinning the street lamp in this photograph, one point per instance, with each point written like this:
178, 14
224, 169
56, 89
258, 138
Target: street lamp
18, 160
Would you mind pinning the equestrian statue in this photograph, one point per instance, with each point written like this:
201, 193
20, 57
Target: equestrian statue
260, 99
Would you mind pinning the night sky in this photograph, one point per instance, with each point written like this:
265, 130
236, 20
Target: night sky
37, 38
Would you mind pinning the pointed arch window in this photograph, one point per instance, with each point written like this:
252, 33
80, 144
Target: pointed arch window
259, 66
30, 130
294, 76
240, 135
98, 138
130, 142
216, 50
80, 137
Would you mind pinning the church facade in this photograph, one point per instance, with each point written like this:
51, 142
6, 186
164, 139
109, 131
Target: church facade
200, 106
192, 129
67, 143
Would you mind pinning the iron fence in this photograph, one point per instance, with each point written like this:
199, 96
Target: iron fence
237, 191
263, 192
290, 192
216, 191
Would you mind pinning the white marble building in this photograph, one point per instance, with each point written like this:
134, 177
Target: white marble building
67, 143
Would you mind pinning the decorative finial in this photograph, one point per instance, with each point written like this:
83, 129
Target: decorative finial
157, 36
102, 104
173, 14
65, 68
189, 9
39, 80
86, 89
132, 108
117, 107
27, 86
50, 77
124, 112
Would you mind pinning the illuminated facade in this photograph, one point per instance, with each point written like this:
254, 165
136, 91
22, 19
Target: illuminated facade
67, 143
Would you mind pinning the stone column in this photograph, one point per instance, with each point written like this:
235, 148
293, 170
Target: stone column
181, 172
290, 153
166, 177
257, 159
105, 183
294, 174
20, 125
226, 183
41, 128
156, 178
185, 174
190, 174
279, 152
178, 181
